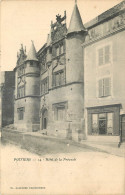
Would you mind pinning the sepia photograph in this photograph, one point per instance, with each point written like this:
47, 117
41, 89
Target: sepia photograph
62, 97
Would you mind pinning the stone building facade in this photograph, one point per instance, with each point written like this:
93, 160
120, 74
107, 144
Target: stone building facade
104, 64
49, 83
7, 86
27, 90
73, 87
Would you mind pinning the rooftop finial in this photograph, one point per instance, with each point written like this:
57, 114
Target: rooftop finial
75, 1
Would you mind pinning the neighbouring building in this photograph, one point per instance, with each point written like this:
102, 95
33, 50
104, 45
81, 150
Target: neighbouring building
104, 78
7, 86
73, 87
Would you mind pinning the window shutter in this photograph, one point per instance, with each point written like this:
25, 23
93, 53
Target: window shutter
100, 83
100, 55
107, 54
107, 86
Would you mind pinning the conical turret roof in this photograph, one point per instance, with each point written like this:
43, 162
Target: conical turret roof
32, 53
76, 24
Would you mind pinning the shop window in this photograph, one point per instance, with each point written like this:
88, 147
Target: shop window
20, 113
94, 124
109, 123
102, 123
104, 87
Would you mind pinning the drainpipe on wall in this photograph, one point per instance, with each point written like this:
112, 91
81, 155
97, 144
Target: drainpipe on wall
120, 118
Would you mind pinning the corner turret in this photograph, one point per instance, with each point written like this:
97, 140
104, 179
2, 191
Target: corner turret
75, 38
27, 79
76, 24
32, 54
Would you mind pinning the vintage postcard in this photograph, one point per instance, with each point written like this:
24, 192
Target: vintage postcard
62, 97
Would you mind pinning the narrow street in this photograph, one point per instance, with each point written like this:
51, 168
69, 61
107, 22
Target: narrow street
67, 170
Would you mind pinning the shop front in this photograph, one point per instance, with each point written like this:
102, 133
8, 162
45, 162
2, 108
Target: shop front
103, 123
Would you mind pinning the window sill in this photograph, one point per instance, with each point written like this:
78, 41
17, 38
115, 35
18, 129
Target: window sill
109, 96
103, 135
104, 65
58, 86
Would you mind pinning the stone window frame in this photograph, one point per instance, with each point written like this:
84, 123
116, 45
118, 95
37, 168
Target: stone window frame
56, 107
59, 45
42, 59
20, 112
62, 71
44, 82
19, 91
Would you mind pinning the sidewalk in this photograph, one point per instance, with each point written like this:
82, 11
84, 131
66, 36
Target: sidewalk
101, 147
110, 149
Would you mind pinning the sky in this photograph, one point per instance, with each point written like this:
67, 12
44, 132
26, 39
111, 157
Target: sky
26, 20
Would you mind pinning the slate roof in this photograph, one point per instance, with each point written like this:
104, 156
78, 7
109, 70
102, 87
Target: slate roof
76, 23
32, 53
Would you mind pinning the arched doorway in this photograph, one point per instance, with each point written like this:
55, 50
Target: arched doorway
44, 119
